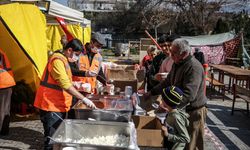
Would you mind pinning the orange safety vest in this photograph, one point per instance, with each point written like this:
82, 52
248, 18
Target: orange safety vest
50, 96
6, 74
85, 65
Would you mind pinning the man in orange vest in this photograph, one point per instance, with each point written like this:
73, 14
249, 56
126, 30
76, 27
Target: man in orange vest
90, 62
6, 83
54, 95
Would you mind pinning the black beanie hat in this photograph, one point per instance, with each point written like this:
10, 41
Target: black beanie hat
172, 96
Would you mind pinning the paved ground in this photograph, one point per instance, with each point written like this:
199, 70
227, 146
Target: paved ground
224, 131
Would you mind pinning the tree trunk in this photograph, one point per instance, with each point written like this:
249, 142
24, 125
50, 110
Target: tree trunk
156, 33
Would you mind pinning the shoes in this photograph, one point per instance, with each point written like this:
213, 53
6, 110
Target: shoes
5, 126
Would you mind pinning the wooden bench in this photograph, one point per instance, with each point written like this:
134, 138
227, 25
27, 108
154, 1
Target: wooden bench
243, 93
215, 83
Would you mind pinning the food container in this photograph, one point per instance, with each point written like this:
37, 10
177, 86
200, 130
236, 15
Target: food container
94, 135
118, 110
163, 75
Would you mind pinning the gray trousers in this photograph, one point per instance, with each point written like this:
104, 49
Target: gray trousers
5, 100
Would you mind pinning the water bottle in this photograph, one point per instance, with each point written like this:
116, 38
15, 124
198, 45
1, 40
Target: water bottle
128, 91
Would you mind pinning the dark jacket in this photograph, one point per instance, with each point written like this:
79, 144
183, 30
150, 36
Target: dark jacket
154, 69
188, 75
200, 57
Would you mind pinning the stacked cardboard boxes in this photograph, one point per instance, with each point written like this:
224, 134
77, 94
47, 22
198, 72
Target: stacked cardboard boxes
125, 75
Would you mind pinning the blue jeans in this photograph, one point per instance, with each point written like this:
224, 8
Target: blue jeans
50, 123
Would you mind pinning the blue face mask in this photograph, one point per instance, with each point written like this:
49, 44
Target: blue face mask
75, 57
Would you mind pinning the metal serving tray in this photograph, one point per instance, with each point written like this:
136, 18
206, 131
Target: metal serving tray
70, 132
112, 110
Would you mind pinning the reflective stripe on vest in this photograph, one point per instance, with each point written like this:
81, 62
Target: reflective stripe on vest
49, 85
45, 83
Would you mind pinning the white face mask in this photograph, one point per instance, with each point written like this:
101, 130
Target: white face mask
99, 50
75, 57
96, 50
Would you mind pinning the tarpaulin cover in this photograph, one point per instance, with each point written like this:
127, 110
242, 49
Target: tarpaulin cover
23, 38
54, 33
86, 34
206, 40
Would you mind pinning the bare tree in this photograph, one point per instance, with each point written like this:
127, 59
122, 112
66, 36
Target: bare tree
192, 17
156, 18
201, 14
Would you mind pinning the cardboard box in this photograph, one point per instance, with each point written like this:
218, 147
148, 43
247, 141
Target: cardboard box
123, 83
149, 131
118, 74
126, 75
124, 72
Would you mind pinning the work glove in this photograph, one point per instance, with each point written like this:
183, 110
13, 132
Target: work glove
89, 103
90, 74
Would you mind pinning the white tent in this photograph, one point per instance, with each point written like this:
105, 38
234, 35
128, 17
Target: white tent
58, 10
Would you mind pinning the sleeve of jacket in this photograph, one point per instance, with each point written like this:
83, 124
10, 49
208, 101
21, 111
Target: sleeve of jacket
75, 70
157, 90
101, 77
191, 85
181, 133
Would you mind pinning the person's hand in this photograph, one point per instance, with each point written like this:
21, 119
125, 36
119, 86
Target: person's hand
163, 107
161, 76
90, 74
165, 130
89, 103
158, 77
137, 67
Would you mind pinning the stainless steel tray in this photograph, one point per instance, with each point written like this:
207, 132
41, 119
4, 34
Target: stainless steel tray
98, 97
71, 132
121, 111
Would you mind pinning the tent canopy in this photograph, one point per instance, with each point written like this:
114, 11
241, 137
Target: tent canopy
75, 21
206, 40
59, 10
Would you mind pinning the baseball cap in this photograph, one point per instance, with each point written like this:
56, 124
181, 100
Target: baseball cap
99, 38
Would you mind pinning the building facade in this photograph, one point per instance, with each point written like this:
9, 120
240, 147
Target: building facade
100, 5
